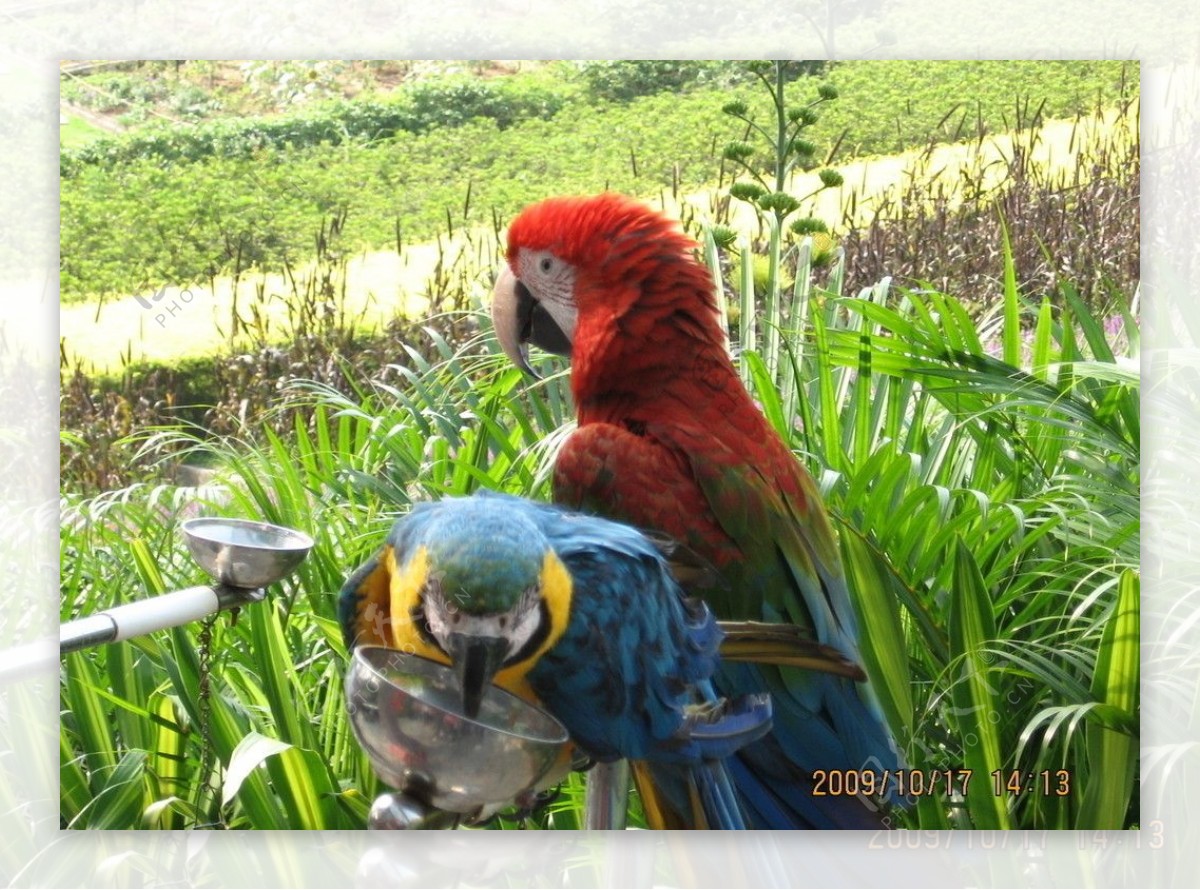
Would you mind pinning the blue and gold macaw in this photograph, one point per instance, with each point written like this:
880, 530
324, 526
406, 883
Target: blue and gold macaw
578, 614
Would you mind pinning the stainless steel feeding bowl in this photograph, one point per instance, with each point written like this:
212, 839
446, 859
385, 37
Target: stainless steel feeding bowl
407, 714
244, 553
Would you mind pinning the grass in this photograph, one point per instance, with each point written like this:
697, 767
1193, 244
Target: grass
176, 323
77, 132
381, 284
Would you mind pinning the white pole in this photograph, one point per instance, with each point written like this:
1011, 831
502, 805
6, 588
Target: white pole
168, 610
158, 612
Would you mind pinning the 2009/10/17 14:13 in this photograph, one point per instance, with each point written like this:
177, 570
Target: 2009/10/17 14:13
915, 782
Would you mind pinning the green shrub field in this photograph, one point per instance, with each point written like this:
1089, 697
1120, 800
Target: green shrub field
179, 205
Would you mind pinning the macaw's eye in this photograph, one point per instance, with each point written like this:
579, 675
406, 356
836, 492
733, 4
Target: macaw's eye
546, 264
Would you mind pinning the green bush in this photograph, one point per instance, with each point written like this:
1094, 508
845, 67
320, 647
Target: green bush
624, 80
425, 105
114, 90
452, 102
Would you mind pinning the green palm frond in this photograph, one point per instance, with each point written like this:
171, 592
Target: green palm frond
985, 477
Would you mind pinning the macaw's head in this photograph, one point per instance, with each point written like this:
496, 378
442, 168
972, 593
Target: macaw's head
580, 271
484, 588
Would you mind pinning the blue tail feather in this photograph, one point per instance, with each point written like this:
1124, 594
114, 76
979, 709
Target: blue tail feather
679, 787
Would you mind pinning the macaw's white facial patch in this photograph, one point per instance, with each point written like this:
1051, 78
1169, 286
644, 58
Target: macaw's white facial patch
445, 615
551, 282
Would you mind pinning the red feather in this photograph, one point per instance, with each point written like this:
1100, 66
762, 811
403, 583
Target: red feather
649, 351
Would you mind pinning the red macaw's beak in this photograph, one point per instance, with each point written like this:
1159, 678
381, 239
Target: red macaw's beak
519, 319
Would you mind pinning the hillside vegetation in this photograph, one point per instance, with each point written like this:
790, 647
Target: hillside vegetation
179, 204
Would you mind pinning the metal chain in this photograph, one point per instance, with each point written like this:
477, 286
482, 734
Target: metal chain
210, 764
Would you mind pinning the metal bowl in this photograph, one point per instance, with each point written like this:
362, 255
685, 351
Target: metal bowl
244, 553
407, 714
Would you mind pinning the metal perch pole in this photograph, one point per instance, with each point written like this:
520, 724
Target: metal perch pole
242, 556
169, 610
606, 798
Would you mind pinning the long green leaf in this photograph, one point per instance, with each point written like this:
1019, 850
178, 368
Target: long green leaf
88, 713
301, 778
122, 799
73, 790
1113, 753
881, 635
292, 719
1012, 307
830, 420
976, 703
763, 386
251, 751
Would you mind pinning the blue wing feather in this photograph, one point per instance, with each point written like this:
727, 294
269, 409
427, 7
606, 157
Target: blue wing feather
631, 676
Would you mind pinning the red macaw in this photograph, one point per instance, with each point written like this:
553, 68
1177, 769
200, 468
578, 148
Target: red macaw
669, 440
